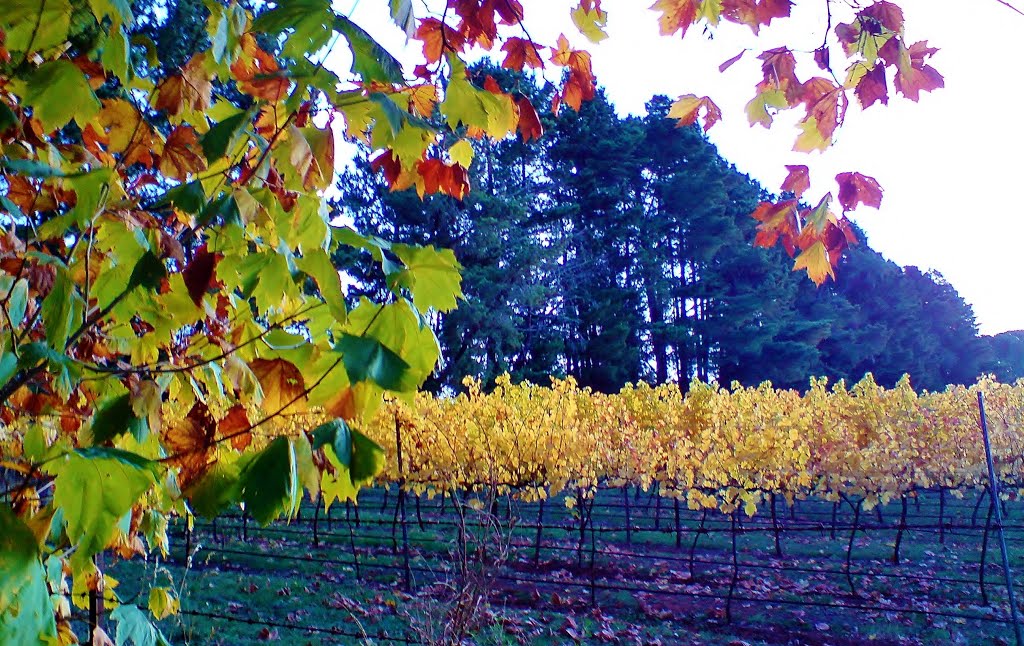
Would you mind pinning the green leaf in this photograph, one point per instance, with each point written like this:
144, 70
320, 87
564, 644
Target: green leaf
35, 25
96, 487
7, 117
309, 20
116, 417
432, 275
367, 359
114, 56
222, 210
66, 370
17, 302
57, 309
369, 59
91, 190
134, 627
26, 616
402, 15
119, 11
149, 272
59, 92
223, 135
401, 329
8, 366
189, 197
356, 458
218, 489
30, 168
317, 265
270, 482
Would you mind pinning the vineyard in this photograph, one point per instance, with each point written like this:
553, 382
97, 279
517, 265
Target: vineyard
642, 515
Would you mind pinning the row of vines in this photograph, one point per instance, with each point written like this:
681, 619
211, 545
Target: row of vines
712, 447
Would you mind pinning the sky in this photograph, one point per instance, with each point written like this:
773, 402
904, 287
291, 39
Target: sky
951, 165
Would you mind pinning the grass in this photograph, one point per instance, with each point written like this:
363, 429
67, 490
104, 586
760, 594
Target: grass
274, 584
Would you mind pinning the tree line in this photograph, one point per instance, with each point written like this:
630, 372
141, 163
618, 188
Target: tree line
617, 249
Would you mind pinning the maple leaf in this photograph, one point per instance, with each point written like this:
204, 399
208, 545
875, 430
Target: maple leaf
529, 121
182, 154
257, 72
438, 177
757, 108
768, 10
120, 120
233, 424
189, 441
591, 22
438, 39
779, 68
201, 274
422, 99
284, 389
872, 88
913, 75
815, 261
521, 53
884, 14
687, 108
191, 89
798, 180
676, 15
855, 188
778, 221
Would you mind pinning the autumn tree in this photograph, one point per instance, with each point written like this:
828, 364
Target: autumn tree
174, 336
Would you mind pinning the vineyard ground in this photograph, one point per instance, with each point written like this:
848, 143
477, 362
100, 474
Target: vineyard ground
254, 585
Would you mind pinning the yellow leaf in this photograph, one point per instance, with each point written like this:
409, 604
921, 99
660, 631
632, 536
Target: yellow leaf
591, 23
162, 603
461, 153
810, 137
815, 261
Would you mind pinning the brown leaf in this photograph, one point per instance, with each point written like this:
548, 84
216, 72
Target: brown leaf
182, 154
284, 389
855, 188
521, 53
189, 441
872, 88
236, 425
201, 274
798, 180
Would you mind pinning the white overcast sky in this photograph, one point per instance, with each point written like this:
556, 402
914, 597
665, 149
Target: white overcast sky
951, 165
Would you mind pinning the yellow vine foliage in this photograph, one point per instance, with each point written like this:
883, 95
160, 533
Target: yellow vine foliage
712, 447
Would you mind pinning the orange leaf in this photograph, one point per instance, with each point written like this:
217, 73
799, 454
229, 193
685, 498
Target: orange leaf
236, 425
438, 38
529, 122
521, 53
676, 15
284, 389
257, 72
797, 181
189, 441
182, 154
687, 108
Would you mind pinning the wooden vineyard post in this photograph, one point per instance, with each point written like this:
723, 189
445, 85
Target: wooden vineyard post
993, 487
540, 528
406, 569
775, 527
96, 609
629, 519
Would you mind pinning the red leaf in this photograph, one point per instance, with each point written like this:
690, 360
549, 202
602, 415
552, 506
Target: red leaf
884, 13
872, 88
797, 181
200, 274
855, 189
821, 57
529, 122
732, 61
